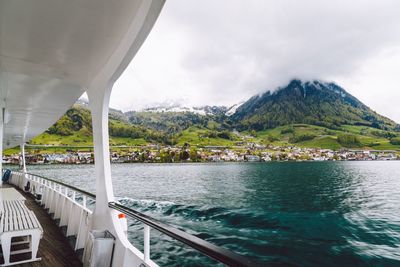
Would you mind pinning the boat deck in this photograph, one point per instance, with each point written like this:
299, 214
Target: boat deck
54, 248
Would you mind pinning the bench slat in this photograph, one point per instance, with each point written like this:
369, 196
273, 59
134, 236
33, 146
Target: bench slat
25, 223
20, 224
7, 223
25, 214
17, 216
17, 220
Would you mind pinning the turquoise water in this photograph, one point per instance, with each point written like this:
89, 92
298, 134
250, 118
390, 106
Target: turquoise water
282, 214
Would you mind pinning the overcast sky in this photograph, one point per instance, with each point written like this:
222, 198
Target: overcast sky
220, 52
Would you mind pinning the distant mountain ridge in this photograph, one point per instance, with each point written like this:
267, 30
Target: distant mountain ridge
310, 102
302, 113
299, 102
201, 110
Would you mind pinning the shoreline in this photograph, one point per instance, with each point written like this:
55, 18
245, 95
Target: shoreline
206, 162
211, 154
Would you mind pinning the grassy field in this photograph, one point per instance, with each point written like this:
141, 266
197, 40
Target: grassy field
82, 139
198, 137
324, 137
77, 141
280, 136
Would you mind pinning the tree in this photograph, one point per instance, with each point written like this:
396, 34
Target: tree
193, 155
184, 155
301, 137
287, 130
272, 138
224, 135
165, 157
348, 140
395, 141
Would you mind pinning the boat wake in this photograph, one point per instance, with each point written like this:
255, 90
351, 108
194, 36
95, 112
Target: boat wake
235, 229
239, 217
278, 237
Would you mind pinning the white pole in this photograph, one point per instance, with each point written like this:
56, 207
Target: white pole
146, 245
98, 103
1, 143
23, 157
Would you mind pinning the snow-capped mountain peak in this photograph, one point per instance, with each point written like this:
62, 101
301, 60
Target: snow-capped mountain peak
233, 109
203, 110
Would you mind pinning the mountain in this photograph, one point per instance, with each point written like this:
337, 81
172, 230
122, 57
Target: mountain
174, 119
303, 114
202, 110
232, 109
74, 128
311, 102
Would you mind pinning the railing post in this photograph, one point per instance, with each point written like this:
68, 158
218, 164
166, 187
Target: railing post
2, 109
51, 194
146, 241
22, 146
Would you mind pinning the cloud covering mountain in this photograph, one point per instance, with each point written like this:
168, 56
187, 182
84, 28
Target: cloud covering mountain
222, 52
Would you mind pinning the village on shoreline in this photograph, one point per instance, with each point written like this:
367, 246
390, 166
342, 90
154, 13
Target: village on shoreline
169, 154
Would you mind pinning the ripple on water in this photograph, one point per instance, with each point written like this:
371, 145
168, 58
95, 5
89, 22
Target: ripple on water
283, 214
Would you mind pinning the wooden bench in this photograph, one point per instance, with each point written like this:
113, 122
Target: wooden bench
18, 221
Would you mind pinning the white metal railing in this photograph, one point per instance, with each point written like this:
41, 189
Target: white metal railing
62, 202
217, 253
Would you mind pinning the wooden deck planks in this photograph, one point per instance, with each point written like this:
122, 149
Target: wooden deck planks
54, 248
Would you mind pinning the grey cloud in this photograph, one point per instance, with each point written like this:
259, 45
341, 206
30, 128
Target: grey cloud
286, 39
233, 49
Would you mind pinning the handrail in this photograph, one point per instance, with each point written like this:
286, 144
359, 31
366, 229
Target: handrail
218, 253
91, 195
61, 203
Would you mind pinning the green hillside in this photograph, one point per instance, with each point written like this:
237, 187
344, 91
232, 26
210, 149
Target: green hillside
310, 114
74, 131
304, 135
312, 102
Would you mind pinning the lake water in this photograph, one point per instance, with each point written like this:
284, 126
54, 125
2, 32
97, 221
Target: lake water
282, 214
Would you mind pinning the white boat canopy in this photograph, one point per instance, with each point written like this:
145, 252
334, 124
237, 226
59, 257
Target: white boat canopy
52, 50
